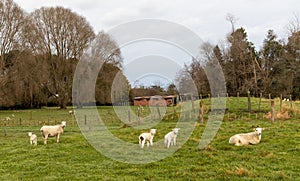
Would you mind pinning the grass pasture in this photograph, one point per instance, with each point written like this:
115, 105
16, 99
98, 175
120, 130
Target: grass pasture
275, 158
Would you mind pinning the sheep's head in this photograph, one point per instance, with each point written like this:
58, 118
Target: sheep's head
175, 130
153, 131
259, 130
29, 133
63, 124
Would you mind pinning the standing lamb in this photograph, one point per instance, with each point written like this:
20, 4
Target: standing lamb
147, 137
72, 112
170, 138
247, 138
32, 138
52, 131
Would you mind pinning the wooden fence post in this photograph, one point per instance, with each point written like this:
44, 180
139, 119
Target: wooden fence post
238, 99
201, 112
84, 119
272, 111
4, 128
158, 111
291, 102
249, 102
129, 116
227, 100
192, 99
280, 102
259, 102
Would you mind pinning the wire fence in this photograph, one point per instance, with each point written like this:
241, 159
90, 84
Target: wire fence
236, 108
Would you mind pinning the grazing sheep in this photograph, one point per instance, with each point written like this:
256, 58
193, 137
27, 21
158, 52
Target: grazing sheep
147, 137
170, 138
7, 118
32, 138
72, 112
247, 138
51, 131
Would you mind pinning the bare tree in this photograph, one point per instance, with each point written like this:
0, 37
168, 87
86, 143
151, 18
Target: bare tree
232, 20
11, 20
294, 25
61, 36
100, 63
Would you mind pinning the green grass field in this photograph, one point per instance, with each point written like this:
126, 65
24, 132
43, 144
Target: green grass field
275, 158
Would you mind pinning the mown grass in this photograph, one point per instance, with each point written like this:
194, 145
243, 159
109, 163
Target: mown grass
275, 158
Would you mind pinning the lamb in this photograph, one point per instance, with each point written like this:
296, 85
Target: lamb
32, 138
72, 112
170, 138
52, 131
147, 137
251, 138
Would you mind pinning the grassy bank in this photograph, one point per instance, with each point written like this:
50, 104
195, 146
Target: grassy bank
275, 158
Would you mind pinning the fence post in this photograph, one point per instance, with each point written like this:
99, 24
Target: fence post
20, 122
192, 99
158, 111
227, 100
84, 119
129, 116
4, 128
272, 111
280, 102
201, 111
259, 102
238, 99
249, 102
291, 102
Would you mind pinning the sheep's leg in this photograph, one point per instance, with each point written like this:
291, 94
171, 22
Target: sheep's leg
169, 143
30, 142
143, 143
151, 142
174, 141
45, 139
57, 138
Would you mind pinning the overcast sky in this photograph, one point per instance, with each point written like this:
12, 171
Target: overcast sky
207, 18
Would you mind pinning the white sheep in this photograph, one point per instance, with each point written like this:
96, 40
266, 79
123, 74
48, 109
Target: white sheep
7, 118
32, 138
147, 137
72, 112
52, 131
247, 138
170, 138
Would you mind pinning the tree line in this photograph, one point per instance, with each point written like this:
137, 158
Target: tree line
39, 52
274, 69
